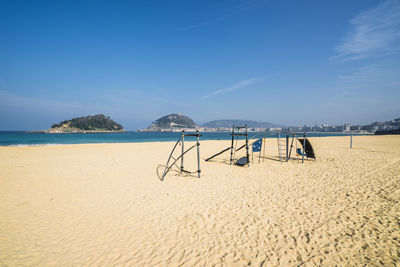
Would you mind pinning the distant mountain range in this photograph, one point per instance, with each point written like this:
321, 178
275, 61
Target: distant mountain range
229, 123
175, 122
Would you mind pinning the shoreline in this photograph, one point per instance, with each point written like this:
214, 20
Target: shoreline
228, 132
314, 135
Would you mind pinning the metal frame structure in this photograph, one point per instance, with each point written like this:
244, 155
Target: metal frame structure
281, 146
289, 149
262, 150
181, 140
232, 148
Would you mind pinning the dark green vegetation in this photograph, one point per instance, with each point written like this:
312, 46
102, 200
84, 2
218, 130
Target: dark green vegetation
97, 122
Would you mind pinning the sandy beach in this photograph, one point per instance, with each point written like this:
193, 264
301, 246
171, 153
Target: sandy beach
103, 205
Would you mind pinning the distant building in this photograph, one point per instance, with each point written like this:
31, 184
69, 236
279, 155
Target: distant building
339, 128
275, 129
370, 128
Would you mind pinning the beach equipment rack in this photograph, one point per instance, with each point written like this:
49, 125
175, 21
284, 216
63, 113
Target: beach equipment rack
174, 161
244, 160
306, 149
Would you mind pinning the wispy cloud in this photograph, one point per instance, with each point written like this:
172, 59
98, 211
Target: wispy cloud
378, 78
234, 87
235, 12
374, 77
375, 32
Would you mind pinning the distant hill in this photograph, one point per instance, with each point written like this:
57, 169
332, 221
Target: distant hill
229, 123
171, 122
96, 123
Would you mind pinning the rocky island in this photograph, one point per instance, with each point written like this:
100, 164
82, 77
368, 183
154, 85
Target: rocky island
90, 124
171, 123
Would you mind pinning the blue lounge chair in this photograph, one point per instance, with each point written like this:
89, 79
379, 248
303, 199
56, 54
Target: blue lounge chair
299, 152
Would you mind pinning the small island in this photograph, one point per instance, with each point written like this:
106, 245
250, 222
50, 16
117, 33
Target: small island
90, 124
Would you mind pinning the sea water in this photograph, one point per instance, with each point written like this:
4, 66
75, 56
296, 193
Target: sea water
8, 138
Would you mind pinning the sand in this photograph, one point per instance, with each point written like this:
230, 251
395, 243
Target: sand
103, 205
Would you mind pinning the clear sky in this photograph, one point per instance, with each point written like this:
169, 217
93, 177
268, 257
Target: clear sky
286, 62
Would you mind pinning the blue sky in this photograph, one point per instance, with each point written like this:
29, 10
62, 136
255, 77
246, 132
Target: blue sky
286, 62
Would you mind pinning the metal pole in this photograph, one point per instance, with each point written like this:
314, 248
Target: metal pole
279, 146
263, 148
351, 141
287, 147
169, 158
304, 147
198, 154
291, 145
247, 148
233, 132
183, 148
